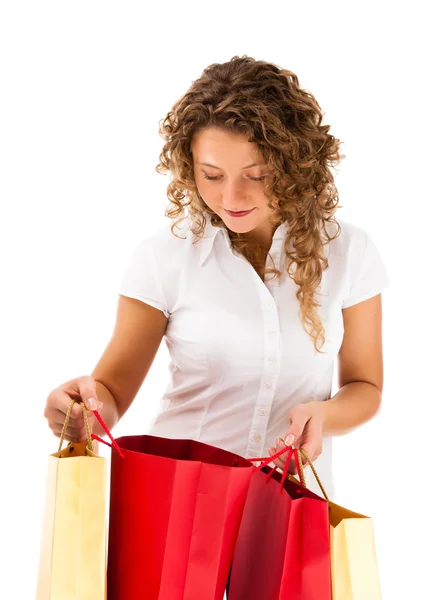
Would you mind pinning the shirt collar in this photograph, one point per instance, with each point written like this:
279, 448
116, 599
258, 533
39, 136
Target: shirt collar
211, 232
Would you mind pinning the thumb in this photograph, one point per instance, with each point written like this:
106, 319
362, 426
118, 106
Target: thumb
88, 392
295, 431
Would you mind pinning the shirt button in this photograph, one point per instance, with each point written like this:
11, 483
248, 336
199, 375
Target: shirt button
268, 384
272, 360
272, 330
257, 437
268, 304
263, 411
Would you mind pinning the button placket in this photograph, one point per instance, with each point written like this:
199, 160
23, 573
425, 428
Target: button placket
257, 436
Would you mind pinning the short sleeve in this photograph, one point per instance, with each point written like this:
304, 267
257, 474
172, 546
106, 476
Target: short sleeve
141, 279
368, 274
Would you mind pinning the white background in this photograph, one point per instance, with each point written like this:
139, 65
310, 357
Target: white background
83, 85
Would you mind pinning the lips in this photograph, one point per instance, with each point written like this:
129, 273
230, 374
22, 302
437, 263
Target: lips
240, 213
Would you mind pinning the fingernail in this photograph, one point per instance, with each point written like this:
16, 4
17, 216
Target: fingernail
278, 441
289, 439
92, 403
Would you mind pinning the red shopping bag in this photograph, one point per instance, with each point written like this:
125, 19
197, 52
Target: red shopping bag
283, 547
175, 510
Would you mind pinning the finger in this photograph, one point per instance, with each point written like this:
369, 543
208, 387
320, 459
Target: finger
57, 416
313, 457
70, 433
277, 461
60, 400
295, 431
280, 463
293, 467
69, 438
88, 391
279, 445
312, 442
73, 424
283, 458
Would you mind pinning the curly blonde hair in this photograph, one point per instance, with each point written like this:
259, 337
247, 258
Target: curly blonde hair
266, 104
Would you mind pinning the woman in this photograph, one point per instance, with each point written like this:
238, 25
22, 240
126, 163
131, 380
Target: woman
258, 291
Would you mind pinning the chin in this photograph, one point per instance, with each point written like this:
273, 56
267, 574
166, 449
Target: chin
239, 225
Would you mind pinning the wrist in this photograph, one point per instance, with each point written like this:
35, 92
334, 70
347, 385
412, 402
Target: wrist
318, 409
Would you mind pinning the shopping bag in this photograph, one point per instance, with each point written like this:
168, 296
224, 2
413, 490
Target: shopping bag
72, 562
354, 567
283, 546
175, 510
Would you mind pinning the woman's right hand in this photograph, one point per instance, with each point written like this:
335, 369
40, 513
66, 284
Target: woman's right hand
81, 389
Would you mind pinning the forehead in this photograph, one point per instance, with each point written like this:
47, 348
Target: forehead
218, 144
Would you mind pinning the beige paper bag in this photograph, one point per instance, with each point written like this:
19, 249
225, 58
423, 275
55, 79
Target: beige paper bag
354, 568
355, 574
73, 548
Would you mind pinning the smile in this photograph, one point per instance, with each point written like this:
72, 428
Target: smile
241, 213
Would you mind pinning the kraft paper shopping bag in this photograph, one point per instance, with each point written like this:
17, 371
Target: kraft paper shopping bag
72, 562
354, 568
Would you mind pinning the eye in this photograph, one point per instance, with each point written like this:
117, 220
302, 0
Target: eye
216, 178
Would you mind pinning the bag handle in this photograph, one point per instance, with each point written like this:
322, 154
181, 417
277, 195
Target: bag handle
301, 470
108, 432
90, 436
296, 453
67, 419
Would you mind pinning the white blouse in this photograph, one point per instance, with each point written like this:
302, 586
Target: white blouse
239, 355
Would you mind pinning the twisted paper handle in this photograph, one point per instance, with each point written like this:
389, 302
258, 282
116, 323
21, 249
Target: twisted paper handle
90, 436
302, 479
67, 419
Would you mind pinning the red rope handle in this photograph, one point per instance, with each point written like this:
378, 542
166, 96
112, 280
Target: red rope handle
108, 432
99, 439
267, 459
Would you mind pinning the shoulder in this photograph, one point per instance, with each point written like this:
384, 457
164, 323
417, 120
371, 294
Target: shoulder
167, 243
351, 241
354, 258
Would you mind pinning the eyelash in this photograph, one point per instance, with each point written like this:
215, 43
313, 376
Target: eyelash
216, 178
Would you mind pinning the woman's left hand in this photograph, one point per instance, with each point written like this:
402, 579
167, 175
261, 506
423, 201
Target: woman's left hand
304, 432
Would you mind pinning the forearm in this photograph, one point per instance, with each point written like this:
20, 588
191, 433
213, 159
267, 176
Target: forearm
354, 404
108, 412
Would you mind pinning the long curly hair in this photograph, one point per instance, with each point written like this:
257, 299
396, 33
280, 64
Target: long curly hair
264, 103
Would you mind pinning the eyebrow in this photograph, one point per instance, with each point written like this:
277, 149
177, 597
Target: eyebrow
247, 167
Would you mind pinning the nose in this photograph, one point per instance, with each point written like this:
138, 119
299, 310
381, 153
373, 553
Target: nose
233, 196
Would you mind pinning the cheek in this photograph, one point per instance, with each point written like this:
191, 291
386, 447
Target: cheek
205, 190
207, 197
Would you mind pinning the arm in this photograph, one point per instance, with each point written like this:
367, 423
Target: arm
360, 366
127, 358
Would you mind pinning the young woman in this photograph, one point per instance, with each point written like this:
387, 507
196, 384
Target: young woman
256, 287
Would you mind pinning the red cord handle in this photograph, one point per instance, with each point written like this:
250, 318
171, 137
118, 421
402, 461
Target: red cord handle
107, 431
267, 459
99, 439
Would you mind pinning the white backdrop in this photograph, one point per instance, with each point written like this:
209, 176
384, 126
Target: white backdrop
83, 86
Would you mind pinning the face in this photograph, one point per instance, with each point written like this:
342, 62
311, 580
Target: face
233, 181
